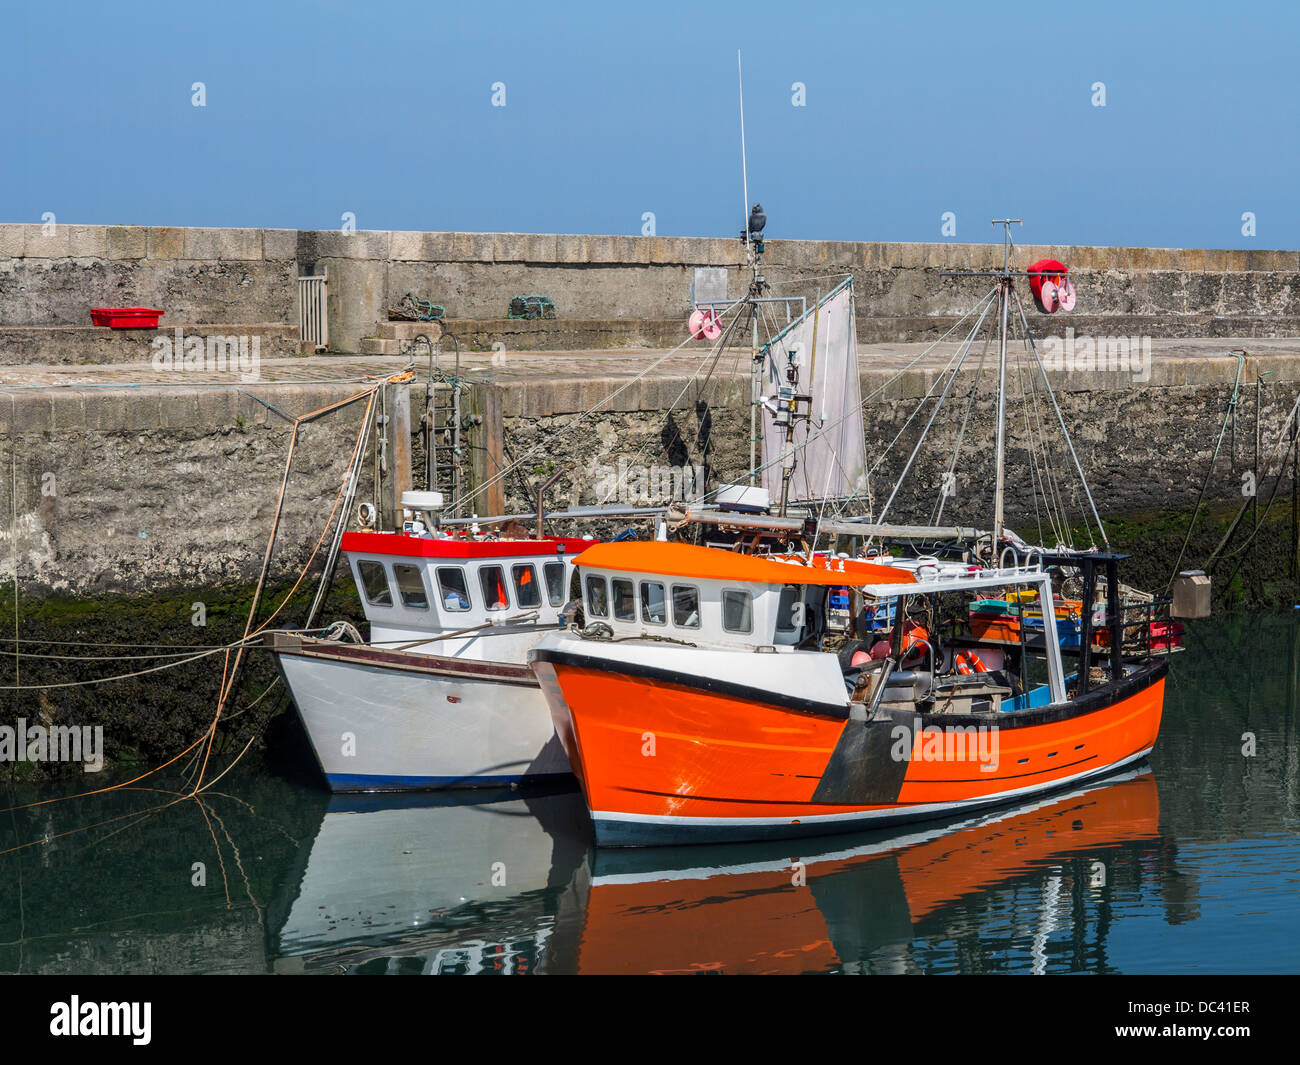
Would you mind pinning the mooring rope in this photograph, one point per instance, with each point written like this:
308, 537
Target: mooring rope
205, 741
564, 430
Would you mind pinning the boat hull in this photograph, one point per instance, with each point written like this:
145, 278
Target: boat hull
666, 759
398, 721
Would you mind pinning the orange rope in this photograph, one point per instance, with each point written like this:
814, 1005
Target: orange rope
111, 787
229, 672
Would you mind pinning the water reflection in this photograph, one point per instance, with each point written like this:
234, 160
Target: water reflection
428, 883
1199, 872
521, 890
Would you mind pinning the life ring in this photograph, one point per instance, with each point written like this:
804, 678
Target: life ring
969, 662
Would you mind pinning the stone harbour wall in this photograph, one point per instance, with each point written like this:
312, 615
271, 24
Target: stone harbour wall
51, 276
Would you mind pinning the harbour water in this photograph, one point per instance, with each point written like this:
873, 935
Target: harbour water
1190, 863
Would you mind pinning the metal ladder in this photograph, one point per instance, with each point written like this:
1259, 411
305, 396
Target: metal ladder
443, 422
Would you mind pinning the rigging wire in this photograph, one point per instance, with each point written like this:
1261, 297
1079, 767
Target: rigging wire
1061, 419
1223, 429
955, 367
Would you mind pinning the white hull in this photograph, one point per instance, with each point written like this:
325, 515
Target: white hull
437, 723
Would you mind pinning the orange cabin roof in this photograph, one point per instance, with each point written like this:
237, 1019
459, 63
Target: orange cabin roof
656, 558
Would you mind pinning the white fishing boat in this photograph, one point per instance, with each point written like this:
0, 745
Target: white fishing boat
441, 694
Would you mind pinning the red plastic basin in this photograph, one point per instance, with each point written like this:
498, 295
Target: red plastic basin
126, 317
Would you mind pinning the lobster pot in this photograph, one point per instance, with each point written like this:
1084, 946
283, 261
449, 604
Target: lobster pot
531, 307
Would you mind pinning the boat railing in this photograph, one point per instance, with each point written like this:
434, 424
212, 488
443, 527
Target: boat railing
1014, 572
1030, 560
1138, 621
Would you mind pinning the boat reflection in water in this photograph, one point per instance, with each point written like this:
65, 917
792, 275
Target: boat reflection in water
511, 884
422, 881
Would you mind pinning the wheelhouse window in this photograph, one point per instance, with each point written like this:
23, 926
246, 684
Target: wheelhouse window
527, 591
686, 606
789, 613
492, 580
410, 586
375, 581
554, 572
624, 600
597, 597
737, 612
653, 609
452, 589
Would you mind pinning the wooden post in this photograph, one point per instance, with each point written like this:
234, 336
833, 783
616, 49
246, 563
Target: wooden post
487, 446
397, 443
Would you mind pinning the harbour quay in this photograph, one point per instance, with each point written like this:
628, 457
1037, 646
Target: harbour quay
143, 460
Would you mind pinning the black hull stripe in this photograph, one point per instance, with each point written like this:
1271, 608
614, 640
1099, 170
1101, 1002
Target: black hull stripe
897, 802
708, 684
1108, 695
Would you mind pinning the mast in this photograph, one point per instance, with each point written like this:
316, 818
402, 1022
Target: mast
755, 363
1004, 299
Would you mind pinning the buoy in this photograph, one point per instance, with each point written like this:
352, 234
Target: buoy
1065, 294
1050, 272
712, 327
695, 325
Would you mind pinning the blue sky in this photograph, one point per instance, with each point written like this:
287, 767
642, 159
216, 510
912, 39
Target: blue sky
384, 109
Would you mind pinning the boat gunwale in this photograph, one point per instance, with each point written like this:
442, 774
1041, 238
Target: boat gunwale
404, 661
1148, 672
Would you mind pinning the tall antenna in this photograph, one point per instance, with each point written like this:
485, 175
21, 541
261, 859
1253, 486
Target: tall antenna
744, 167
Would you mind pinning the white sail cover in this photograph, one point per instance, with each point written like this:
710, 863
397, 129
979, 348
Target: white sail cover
830, 458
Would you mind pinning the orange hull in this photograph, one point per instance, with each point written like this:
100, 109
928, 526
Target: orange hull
665, 761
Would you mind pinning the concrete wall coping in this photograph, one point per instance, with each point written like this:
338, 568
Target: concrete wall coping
211, 406
63, 241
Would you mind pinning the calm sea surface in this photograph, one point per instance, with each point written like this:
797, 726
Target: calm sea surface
1188, 864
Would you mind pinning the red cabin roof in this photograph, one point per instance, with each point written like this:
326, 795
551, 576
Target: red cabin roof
391, 543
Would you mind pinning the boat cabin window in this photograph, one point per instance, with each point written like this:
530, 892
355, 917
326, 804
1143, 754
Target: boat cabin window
492, 580
554, 582
624, 600
410, 585
653, 609
527, 590
686, 606
452, 588
375, 582
737, 612
789, 613
597, 597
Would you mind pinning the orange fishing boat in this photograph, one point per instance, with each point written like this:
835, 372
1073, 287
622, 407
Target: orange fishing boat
711, 695
696, 704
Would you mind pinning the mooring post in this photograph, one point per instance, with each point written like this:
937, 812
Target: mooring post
488, 450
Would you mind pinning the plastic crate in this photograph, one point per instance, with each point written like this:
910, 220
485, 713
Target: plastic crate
126, 317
